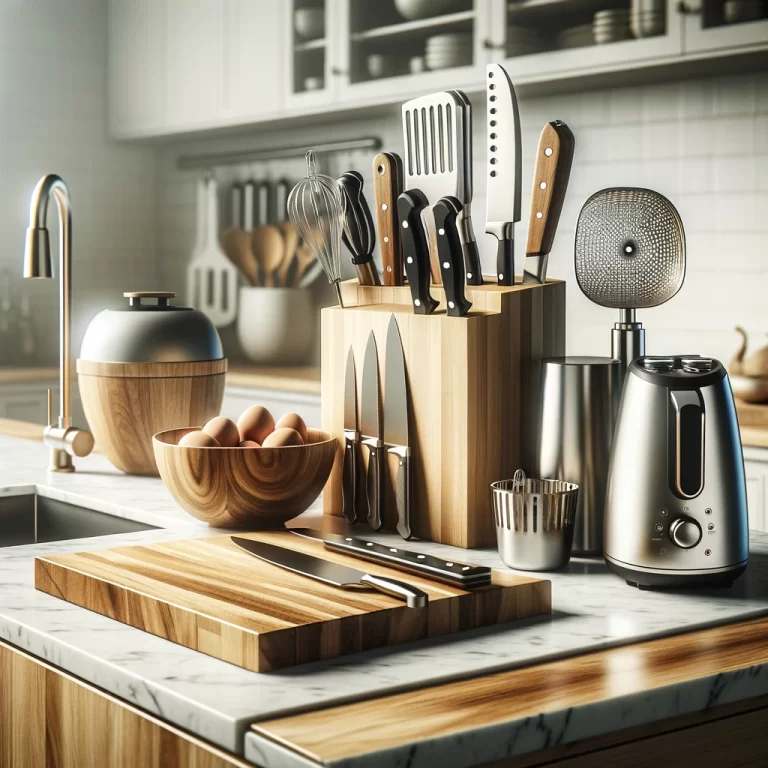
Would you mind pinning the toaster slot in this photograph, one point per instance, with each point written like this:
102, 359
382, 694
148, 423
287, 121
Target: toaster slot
687, 435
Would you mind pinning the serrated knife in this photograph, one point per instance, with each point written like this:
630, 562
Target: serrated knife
503, 169
452, 572
331, 573
396, 436
554, 158
351, 443
370, 431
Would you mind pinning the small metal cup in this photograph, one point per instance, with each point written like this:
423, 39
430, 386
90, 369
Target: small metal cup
535, 522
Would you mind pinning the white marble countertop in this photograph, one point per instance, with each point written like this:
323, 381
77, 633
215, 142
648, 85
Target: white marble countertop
592, 609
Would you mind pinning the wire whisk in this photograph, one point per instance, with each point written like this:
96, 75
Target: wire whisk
316, 208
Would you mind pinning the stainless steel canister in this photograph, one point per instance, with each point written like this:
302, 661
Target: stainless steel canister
534, 522
579, 402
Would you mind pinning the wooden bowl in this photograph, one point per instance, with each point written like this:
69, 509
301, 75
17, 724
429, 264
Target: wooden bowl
244, 487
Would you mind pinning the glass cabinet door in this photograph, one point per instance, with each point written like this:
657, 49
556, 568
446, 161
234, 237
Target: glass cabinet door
724, 24
310, 39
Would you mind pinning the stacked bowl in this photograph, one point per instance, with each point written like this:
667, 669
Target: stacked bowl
611, 26
449, 50
576, 37
522, 41
648, 18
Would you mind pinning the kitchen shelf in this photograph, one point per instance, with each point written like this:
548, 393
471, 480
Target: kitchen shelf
310, 45
559, 13
413, 28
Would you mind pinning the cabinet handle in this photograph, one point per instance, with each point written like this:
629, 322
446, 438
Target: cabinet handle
489, 45
689, 7
337, 71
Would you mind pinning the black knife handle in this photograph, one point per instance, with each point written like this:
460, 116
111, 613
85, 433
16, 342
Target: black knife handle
505, 257
450, 254
373, 482
415, 249
359, 234
403, 492
472, 266
349, 478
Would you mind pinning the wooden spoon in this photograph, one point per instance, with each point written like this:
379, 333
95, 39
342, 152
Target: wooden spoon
268, 247
236, 244
291, 238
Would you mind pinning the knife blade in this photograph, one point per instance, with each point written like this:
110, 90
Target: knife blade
447, 211
396, 435
472, 266
446, 571
550, 183
370, 429
416, 249
359, 235
331, 573
351, 443
504, 169
387, 187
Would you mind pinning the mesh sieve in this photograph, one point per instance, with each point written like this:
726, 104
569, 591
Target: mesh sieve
630, 249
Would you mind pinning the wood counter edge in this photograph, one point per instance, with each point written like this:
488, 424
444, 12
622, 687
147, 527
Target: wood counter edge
395, 722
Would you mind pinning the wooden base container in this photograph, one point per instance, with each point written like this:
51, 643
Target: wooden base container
126, 403
474, 395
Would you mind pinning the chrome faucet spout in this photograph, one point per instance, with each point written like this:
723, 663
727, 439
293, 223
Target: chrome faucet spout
64, 440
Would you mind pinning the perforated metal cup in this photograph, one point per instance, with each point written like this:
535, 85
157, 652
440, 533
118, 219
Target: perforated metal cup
630, 248
534, 522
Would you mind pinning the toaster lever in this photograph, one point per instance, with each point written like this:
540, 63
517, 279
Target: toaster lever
687, 454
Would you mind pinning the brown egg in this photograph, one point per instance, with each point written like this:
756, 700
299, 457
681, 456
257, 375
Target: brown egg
293, 421
199, 440
282, 437
255, 423
223, 430
248, 444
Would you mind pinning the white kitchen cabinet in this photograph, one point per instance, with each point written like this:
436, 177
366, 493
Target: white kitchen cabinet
29, 402
706, 29
137, 74
756, 468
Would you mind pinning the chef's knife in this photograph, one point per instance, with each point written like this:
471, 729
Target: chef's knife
473, 269
503, 170
387, 187
396, 424
331, 573
415, 249
351, 443
370, 430
446, 211
447, 571
359, 235
550, 182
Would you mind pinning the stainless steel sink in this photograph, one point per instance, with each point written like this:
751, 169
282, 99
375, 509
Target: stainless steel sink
31, 519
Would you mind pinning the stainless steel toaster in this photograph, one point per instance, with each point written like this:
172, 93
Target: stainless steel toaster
676, 499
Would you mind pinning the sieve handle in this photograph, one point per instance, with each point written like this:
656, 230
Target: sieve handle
550, 182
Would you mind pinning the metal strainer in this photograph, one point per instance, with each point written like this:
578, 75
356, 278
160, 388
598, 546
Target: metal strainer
630, 254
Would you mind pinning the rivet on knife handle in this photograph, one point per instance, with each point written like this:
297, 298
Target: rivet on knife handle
449, 250
550, 183
373, 481
415, 250
387, 186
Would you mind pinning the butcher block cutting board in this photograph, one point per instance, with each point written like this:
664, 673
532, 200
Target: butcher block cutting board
210, 595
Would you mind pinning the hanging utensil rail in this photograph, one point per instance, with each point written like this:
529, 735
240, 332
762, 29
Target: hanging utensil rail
189, 162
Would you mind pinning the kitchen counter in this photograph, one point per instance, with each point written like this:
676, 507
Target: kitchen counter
593, 610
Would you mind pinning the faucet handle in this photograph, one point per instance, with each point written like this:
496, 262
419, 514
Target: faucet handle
79, 442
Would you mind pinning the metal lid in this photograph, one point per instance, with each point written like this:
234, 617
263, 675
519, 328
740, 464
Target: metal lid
151, 333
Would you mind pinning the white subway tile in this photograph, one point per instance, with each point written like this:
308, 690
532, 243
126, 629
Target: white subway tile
626, 106
761, 93
660, 140
735, 96
735, 136
736, 213
735, 174
761, 135
663, 176
661, 102
697, 138
696, 175
696, 99
761, 171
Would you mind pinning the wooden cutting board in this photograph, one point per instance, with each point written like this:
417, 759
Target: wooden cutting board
210, 595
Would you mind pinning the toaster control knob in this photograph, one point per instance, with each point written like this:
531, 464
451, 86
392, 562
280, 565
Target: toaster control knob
685, 532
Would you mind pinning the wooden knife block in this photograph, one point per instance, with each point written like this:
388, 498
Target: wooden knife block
474, 395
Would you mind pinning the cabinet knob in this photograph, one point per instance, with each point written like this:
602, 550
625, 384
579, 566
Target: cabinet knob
489, 45
338, 71
689, 7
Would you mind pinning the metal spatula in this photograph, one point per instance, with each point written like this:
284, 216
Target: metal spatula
433, 135
630, 254
211, 277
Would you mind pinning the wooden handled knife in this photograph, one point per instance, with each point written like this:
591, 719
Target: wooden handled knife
550, 182
387, 187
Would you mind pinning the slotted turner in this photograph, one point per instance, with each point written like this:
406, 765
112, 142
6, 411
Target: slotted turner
433, 135
211, 277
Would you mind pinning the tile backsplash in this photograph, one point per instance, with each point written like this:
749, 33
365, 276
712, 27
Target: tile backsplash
702, 143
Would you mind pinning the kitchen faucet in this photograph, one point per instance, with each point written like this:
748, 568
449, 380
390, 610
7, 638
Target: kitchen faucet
64, 440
